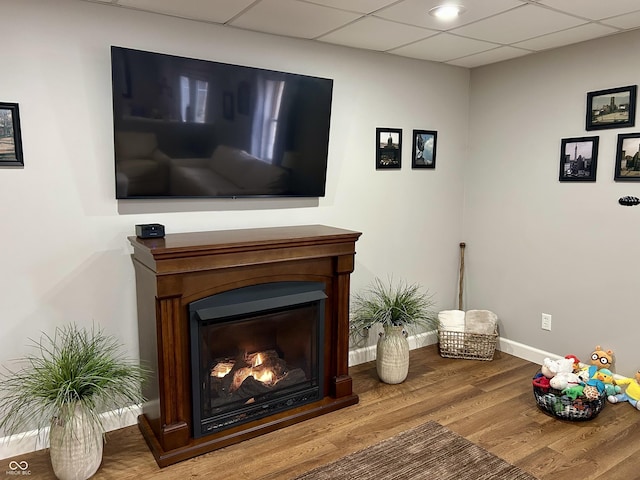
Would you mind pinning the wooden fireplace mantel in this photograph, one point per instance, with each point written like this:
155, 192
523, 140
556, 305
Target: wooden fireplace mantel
173, 271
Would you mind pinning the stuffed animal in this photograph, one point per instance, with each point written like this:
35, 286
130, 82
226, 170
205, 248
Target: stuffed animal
610, 387
599, 359
593, 387
564, 380
541, 382
632, 392
590, 392
573, 391
576, 362
597, 384
550, 368
583, 375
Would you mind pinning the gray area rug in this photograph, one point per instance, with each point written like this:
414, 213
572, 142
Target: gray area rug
427, 452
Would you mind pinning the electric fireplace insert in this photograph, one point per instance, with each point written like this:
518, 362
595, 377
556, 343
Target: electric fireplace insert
255, 351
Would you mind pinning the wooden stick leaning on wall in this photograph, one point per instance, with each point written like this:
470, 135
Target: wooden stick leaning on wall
461, 286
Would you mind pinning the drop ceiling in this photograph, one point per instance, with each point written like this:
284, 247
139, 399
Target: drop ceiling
488, 31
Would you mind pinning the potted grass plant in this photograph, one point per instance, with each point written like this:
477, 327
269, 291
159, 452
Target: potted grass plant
64, 387
398, 307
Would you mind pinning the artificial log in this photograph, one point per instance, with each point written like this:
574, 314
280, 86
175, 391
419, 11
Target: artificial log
240, 380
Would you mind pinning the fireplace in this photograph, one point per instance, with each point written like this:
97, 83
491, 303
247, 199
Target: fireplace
255, 351
246, 332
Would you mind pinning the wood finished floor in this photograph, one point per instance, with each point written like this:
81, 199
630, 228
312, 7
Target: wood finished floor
489, 403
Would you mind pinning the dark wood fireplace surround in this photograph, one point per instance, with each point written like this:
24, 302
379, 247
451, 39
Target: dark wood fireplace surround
174, 271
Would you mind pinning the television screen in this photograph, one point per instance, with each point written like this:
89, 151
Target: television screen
195, 128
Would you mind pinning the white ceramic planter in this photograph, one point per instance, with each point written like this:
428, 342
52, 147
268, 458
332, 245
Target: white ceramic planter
392, 357
75, 448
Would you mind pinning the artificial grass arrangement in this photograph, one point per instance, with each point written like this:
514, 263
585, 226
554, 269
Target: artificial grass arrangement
398, 308
388, 304
67, 383
76, 368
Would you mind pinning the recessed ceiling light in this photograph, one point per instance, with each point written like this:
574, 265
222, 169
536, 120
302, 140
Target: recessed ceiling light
447, 12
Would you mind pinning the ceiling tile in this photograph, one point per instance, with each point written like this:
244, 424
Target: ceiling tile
405, 28
631, 20
293, 18
416, 12
567, 37
360, 6
594, 9
376, 34
491, 56
443, 47
219, 11
519, 24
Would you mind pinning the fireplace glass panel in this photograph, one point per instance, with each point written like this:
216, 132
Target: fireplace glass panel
255, 352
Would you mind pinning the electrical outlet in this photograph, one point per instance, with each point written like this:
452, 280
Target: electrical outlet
546, 321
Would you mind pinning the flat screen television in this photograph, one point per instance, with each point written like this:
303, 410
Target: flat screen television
188, 128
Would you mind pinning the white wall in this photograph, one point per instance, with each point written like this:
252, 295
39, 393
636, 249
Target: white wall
535, 244
65, 254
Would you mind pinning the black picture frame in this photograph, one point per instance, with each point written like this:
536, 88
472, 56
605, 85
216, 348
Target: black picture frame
424, 149
10, 136
579, 159
627, 158
611, 108
388, 148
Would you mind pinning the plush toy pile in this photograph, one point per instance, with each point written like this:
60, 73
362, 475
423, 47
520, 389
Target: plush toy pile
572, 390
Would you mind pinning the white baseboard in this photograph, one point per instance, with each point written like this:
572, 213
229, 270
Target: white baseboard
525, 352
27, 442
21, 444
368, 354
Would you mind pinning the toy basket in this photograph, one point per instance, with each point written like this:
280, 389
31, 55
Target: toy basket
470, 346
554, 403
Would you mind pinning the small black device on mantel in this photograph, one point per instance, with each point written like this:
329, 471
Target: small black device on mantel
150, 230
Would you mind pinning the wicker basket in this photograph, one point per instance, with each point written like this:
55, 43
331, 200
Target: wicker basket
554, 403
470, 346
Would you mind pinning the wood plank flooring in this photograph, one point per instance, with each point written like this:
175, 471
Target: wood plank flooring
489, 403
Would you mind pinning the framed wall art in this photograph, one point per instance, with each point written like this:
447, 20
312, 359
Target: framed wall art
579, 159
628, 158
424, 149
388, 148
612, 108
10, 137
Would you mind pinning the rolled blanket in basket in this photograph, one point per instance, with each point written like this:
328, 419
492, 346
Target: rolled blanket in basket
451, 320
480, 321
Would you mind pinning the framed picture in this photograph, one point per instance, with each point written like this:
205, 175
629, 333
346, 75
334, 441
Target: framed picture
388, 148
424, 149
628, 158
613, 108
10, 138
579, 159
